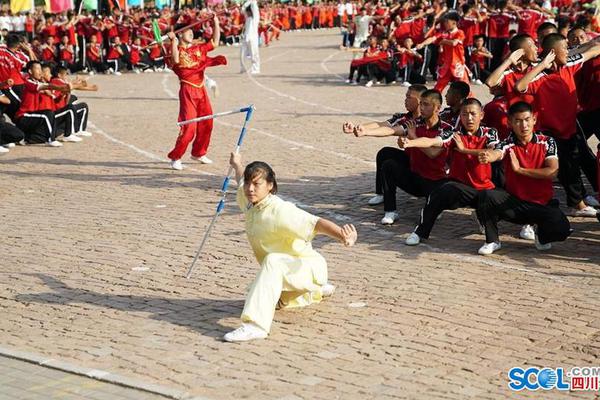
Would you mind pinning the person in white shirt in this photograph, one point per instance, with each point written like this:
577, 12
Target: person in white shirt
18, 23
363, 22
341, 9
249, 45
5, 22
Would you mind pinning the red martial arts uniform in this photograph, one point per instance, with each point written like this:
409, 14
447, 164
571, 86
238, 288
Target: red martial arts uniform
193, 99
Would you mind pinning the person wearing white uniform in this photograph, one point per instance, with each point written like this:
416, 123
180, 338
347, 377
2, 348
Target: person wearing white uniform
249, 48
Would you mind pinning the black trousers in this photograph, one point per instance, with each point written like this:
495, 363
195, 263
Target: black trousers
588, 124
14, 93
449, 196
395, 172
81, 116
64, 121
38, 127
497, 46
495, 205
569, 171
376, 73
362, 70
10, 133
99, 66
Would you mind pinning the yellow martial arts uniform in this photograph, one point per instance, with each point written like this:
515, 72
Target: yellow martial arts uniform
291, 271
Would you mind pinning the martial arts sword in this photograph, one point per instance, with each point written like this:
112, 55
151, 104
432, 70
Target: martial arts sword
249, 111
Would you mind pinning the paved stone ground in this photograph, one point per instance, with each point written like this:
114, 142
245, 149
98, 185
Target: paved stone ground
24, 380
96, 238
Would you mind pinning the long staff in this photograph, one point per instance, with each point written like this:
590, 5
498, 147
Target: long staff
249, 111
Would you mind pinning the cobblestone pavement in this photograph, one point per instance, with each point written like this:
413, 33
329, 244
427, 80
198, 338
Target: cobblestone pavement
96, 238
24, 380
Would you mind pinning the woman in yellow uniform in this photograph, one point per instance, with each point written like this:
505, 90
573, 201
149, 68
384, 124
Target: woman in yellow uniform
292, 273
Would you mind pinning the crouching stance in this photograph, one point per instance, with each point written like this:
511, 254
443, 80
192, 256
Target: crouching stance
292, 273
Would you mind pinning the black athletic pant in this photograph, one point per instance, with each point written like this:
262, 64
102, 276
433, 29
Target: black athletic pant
38, 126
395, 172
99, 66
449, 196
81, 116
495, 205
588, 124
64, 121
10, 133
569, 171
14, 93
377, 74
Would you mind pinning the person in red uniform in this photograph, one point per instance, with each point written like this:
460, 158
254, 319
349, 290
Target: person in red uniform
531, 162
523, 54
12, 61
56, 101
66, 54
94, 56
32, 118
587, 80
552, 83
499, 32
452, 56
467, 176
189, 61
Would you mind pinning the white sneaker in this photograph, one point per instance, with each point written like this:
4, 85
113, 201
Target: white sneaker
542, 247
54, 143
137, 71
10, 145
375, 200
413, 239
148, 71
203, 159
72, 139
489, 248
3, 150
117, 73
378, 83
327, 290
369, 84
247, 331
478, 82
527, 232
406, 84
84, 134
389, 218
22, 143
354, 83
348, 81
91, 73
584, 212
176, 164
591, 201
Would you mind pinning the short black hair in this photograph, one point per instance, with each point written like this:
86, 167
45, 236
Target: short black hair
13, 40
32, 63
476, 37
471, 101
462, 88
519, 107
518, 41
418, 88
546, 25
551, 40
452, 16
434, 95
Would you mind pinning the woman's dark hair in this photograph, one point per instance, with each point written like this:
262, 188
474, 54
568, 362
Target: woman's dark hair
261, 169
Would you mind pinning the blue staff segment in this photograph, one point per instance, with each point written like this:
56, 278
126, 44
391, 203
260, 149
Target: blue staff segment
249, 111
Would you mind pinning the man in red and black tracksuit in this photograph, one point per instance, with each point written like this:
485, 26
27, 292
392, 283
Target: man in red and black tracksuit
499, 32
530, 163
12, 62
467, 176
37, 123
189, 62
552, 83
393, 126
